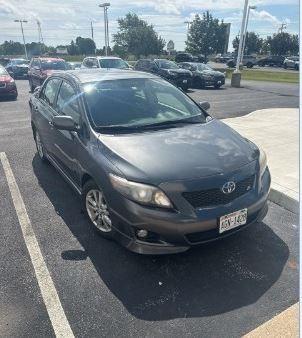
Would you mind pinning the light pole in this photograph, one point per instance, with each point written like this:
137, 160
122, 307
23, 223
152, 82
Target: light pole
41, 41
245, 29
105, 6
236, 76
21, 22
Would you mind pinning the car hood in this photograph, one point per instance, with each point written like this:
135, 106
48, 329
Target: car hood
177, 71
211, 73
192, 151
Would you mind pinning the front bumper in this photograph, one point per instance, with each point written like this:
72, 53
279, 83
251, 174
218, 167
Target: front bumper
215, 81
8, 92
176, 231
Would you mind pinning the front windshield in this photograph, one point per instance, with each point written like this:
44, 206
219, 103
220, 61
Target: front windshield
20, 62
202, 66
113, 63
138, 103
166, 64
54, 65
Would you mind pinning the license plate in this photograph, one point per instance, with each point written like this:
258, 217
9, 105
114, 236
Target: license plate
233, 220
184, 81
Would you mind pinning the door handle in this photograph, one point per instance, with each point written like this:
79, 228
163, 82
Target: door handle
50, 123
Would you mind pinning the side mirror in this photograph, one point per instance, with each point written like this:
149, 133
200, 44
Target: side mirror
205, 105
65, 123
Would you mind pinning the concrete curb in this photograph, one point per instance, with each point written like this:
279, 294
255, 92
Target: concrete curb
284, 201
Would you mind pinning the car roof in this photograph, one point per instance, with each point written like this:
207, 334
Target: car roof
48, 59
107, 57
103, 74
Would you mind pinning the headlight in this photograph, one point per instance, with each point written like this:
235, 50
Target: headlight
262, 161
172, 73
141, 193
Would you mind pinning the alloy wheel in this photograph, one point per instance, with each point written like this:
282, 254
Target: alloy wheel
97, 210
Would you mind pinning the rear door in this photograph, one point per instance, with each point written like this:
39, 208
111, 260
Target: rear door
66, 143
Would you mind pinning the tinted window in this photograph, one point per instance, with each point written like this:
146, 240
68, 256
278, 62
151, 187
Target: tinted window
35, 63
50, 90
54, 65
67, 102
166, 64
203, 66
138, 102
113, 63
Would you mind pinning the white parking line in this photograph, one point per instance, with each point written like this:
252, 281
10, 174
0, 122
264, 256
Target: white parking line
49, 293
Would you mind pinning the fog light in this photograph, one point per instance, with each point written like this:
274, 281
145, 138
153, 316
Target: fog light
142, 233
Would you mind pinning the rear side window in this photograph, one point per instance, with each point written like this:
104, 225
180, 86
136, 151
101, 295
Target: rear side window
50, 90
53, 64
67, 102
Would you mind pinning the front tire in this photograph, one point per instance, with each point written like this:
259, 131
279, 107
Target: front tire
96, 209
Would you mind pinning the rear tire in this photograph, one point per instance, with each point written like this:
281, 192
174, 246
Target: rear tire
40, 148
296, 67
285, 66
31, 86
96, 209
184, 87
249, 65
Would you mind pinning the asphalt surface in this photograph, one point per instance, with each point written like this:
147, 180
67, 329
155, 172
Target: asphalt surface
232, 286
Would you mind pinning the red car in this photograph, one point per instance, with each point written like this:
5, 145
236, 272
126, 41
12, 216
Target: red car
41, 67
8, 88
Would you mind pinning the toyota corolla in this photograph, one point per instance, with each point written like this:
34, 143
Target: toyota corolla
154, 170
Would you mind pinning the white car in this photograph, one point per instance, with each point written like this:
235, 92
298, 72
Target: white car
105, 62
291, 62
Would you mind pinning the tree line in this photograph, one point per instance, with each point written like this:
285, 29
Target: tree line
206, 35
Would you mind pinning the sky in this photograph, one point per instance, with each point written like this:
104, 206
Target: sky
64, 20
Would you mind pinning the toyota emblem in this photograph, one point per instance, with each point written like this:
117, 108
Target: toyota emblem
228, 187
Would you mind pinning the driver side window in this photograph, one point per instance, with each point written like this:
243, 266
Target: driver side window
50, 90
67, 102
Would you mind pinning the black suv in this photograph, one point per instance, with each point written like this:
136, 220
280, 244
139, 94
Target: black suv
204, 75
273, 60
167, 69
17, 68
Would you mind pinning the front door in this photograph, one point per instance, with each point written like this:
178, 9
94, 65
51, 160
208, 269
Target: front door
66, 143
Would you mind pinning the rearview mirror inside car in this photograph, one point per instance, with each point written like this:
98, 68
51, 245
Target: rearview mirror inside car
205, 105
65, 123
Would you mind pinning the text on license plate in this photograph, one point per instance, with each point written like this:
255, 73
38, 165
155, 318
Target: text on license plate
233, 220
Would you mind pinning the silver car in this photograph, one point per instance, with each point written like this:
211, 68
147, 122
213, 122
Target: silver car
291, 62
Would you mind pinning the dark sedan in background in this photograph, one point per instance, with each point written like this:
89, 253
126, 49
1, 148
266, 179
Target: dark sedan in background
18, 68
8, 88
169, 70
155, 172
204, 75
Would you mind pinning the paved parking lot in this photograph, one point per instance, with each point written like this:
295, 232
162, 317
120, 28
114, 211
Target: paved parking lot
230, 286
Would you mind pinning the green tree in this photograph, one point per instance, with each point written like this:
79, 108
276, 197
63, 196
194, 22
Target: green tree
136, 36
73, 49
281, 44
253, 43
85, 45
206, 35
294, 48
11, 48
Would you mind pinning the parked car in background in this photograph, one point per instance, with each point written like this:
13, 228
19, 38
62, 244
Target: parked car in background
41, 67
153, 170
272, 60
8, 88
291, 62
167, 69
73, 65
204, 75
187, 57
105, 62
18, 68
223, 58
248, 60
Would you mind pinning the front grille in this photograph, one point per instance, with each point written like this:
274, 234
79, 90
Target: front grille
213, 197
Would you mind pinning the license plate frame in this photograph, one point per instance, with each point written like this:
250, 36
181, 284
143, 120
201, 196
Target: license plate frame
233, 220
